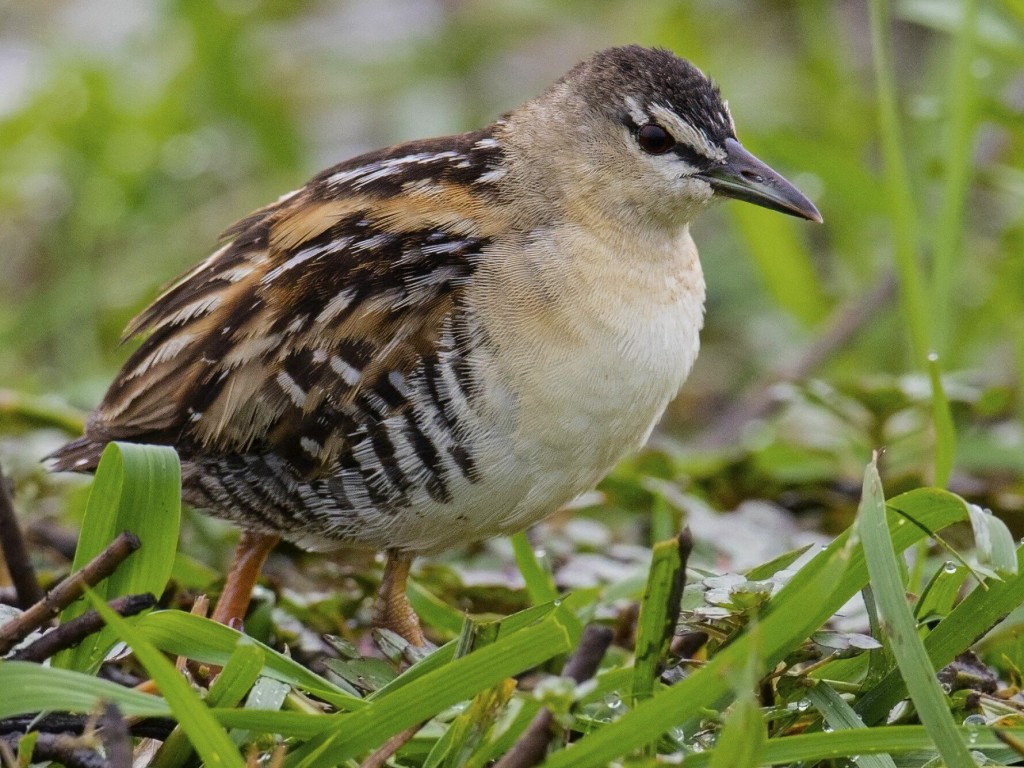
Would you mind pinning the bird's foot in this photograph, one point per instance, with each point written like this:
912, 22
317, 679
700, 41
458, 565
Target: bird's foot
392, 610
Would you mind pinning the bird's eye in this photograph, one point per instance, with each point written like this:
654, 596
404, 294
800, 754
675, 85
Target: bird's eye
654, 140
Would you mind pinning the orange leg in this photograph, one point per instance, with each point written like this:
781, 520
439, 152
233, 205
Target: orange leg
391, 609
250, 555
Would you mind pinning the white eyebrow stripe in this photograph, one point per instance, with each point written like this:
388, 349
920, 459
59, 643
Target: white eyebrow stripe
639, 116
687, 134
727, 117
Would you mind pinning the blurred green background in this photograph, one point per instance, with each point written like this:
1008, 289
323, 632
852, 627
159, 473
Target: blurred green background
133, 133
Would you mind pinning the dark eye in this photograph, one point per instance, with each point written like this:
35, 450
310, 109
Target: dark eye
654, 140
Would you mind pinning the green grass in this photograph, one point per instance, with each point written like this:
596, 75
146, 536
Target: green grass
351, 727
899, 123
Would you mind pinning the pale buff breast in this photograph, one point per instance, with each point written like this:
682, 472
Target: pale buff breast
583, 355
590, 349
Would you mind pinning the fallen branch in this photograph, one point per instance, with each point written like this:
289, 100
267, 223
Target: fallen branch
387, 750
69, 751
71, 633
531, 747
69, 590
149, 728
15, 551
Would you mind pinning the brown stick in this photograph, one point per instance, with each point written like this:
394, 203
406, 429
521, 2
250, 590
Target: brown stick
70, 751
15, 552
387, 750
149, 728
531, 747
71, 633
69, 590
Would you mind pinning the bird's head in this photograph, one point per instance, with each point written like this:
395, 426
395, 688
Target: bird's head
640, 132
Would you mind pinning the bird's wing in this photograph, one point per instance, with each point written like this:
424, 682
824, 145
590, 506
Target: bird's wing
312, 313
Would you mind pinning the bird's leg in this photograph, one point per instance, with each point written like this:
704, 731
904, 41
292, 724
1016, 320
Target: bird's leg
250, 555
391, 609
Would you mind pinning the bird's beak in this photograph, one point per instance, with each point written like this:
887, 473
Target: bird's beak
744, 177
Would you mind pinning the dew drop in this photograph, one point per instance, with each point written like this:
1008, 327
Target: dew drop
949, 567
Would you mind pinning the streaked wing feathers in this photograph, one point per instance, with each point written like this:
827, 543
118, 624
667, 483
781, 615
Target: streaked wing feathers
314, 310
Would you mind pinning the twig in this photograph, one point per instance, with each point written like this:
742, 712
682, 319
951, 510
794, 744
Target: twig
12, 542
69, 590
759, 402
62, 748
117, 740
150, 727
386, 750
531, 747
1009, 740
71, 633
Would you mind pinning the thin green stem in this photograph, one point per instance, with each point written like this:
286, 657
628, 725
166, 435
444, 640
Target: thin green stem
949, 229
897, 182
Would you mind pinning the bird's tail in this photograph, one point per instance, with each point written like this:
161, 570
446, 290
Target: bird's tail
81, 455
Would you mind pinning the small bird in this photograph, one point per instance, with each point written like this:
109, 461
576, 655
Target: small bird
448, 339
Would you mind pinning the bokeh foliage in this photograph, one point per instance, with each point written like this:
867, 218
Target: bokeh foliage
132, 134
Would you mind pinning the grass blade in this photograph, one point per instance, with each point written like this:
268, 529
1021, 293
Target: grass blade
974, 616
993, 541
897, 183
942, 418
194, 637
810, 598
540, 583
897, 739
352, 734
784, 627
435, 612
783, 261
948, 240
659, 610
227, 690
840, 716
209, 740
898, 627
137, 488
34, 688
742, 739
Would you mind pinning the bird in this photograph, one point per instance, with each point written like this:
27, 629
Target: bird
444, 340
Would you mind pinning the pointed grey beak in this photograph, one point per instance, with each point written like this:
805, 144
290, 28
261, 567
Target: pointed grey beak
744, 177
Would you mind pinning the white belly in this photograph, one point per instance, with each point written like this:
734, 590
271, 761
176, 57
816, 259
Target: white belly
582, 357
585, 361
